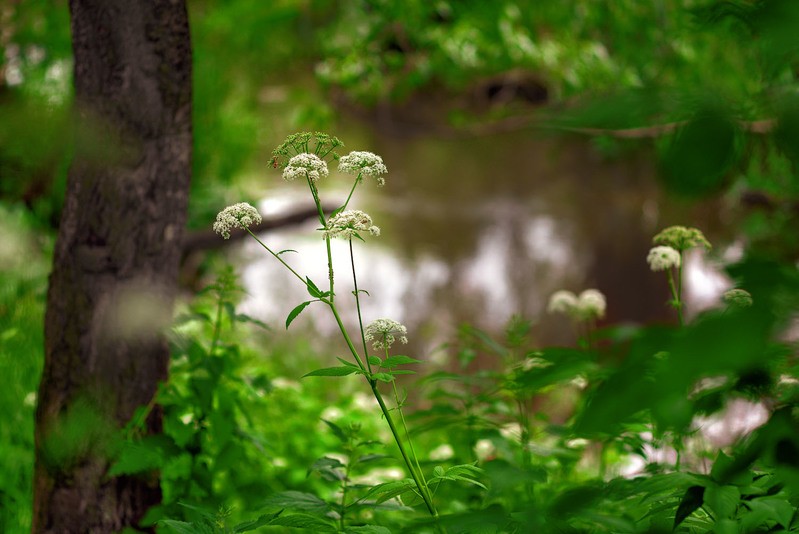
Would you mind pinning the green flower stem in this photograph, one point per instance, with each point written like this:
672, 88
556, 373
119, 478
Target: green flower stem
675, 293
422, 487
354, 185
423, 490
408, 434
277, 256
321, 212
344, 488
358, 307
347, 338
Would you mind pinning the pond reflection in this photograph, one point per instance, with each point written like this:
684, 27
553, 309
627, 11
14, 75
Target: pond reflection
477, 230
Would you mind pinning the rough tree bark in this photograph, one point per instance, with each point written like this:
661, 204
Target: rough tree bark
116, 259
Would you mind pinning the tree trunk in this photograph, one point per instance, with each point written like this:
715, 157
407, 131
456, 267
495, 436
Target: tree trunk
116, 259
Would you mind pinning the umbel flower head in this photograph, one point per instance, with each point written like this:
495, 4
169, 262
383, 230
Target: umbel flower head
348, 223
318, 143
305, 165
663, 257
365, 164
241, 215
681, 238
737, 298
562, 302
384, 332
590, 304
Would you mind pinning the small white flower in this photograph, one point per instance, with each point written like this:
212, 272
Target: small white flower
562, 302
347, 223
305, 165
240, 215
384, 332
662, 258
442, 452
365, 164
484, 449
591, 304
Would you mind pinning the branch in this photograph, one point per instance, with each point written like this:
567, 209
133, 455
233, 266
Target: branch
209, 240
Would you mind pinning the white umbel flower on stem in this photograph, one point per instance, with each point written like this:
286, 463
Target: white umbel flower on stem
241, 215
591, 304
365, 164
384, 332
562, 302
348, 223
305, 165
662, 258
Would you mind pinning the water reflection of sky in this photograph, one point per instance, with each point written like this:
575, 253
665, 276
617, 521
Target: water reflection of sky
488, 247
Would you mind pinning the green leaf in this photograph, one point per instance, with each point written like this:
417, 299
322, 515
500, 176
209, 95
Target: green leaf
255, 523
181, 527
284, 251
393, 361
368, 529
314, 291
383, 377
371, 458
389, 490
691, 501
464, 473
295, 312
297, 500
305, 521
348, 364
375, 360
334, 371
140, 456
337, 430
723, 500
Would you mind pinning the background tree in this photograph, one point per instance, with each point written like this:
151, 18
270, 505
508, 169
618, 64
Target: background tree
116, 258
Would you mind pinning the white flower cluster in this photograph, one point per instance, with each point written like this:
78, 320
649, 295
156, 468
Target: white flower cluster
347, 223
590, 304
662, 258
305, 165
241, 215
365, 164
384, 332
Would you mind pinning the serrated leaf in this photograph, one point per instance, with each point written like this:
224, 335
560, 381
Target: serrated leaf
389, 490
393, 361
463, 473
375, 360
295, 312
334, 371
297, 500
